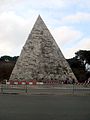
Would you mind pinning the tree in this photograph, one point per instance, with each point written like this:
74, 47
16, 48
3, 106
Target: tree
8, 58
83, 55
78, 69
80, 65
7, 64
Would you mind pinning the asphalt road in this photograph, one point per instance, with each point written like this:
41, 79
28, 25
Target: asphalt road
44, 107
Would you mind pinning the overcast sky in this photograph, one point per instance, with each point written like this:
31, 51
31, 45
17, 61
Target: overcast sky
67, 20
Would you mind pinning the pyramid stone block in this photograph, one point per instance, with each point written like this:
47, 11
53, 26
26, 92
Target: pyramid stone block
41, 58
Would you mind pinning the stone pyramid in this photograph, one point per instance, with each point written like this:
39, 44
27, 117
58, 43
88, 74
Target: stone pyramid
41, 59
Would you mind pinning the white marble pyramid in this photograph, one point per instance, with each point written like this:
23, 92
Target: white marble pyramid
41, 58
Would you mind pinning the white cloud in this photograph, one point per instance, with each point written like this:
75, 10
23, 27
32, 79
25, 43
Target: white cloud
15, 29
70, 40
65, 35
30, 4
85, 4
38, 4
75, 18
68, 52
13, 33
50, 4
18, 16
83, 44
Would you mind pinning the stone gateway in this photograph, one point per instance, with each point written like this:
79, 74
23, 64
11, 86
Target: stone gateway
41, 59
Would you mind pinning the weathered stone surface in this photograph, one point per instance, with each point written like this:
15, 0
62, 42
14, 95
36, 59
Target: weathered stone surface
41, 58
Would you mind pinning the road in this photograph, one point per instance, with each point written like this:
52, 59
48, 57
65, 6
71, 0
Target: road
44, 107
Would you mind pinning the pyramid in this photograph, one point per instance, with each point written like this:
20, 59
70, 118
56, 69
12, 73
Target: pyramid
41, 58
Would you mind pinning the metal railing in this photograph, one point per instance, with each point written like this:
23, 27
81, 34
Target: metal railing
79, 89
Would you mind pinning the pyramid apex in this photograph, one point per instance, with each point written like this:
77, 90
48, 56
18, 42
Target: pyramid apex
40, 24
39, 17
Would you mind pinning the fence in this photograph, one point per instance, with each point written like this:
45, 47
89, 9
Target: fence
34, 87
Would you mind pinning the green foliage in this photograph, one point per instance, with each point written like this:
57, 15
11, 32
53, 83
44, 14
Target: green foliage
6, 66
83, 55
8, 58
78, 66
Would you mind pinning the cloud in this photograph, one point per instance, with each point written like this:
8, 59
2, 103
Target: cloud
65, 35
15, 29
13, 32
50, 4
83, 44
76, 18
17, 18
85, 3
36, 4
70, 40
